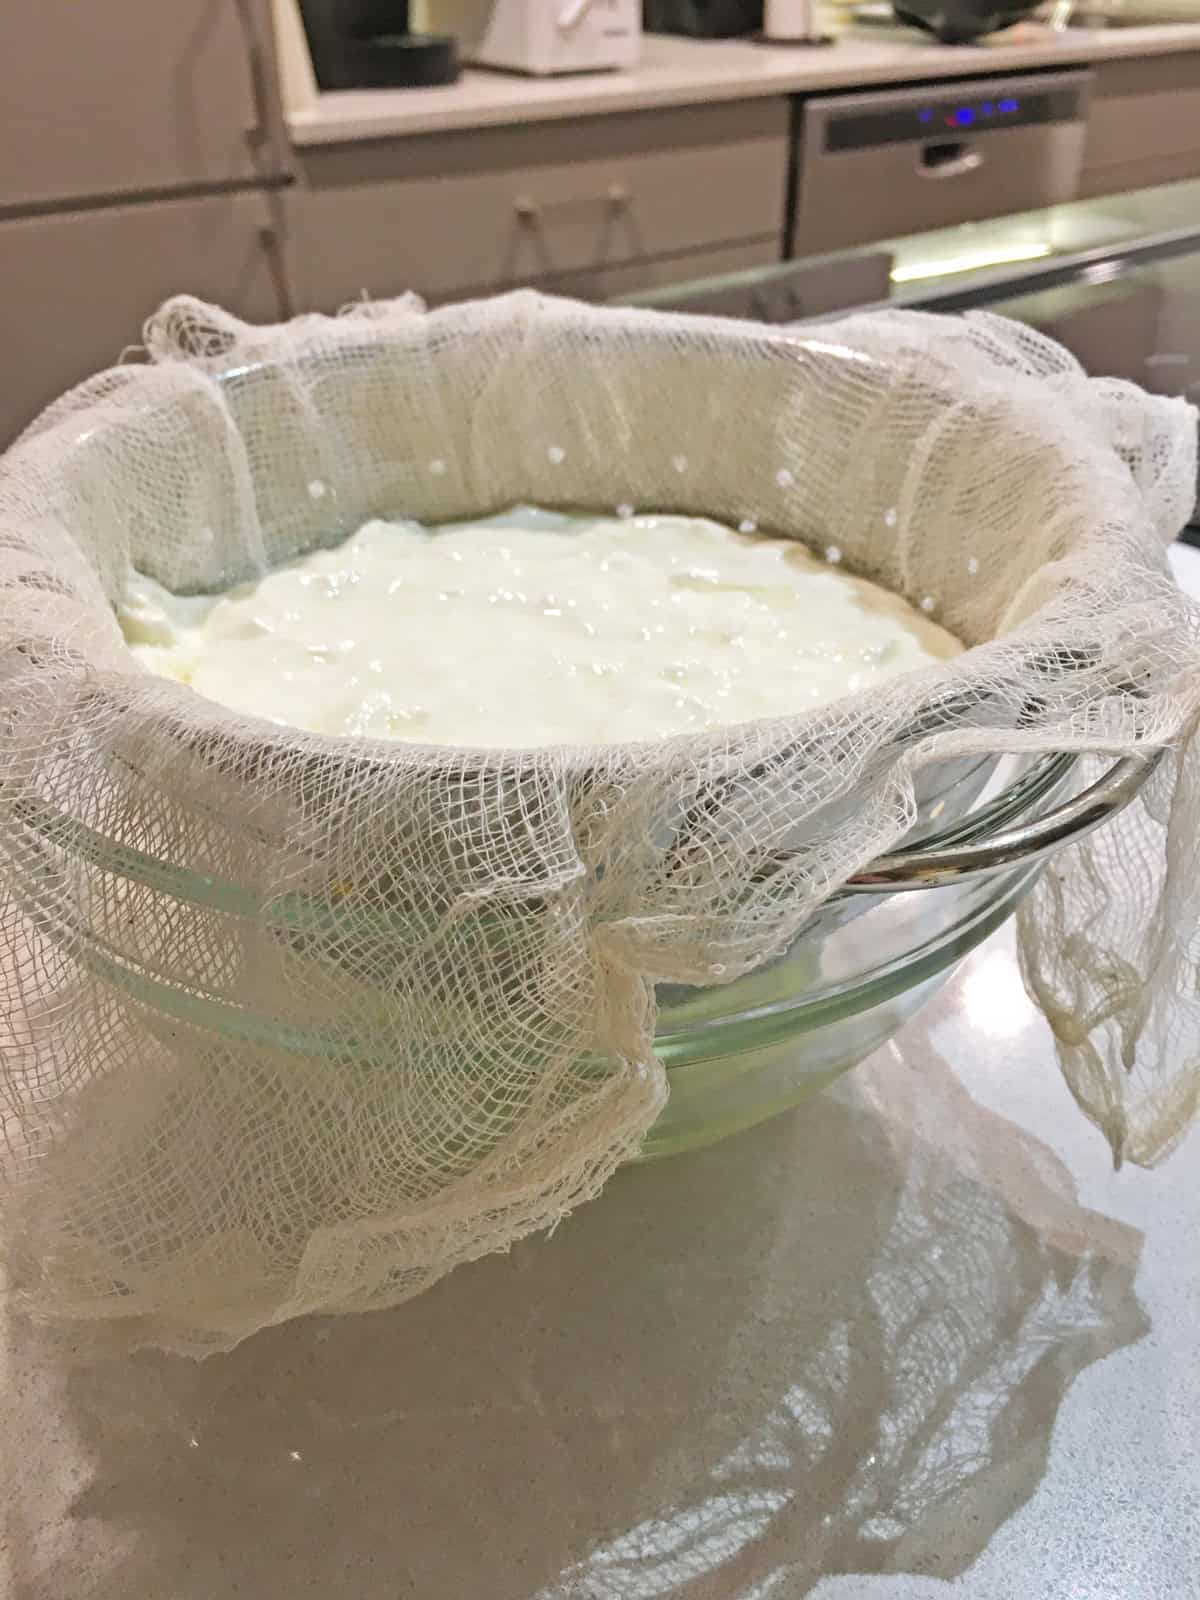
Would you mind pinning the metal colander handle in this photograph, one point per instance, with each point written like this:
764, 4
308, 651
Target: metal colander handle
1017, 846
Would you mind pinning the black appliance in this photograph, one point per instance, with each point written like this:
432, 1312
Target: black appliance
367, 44
963, 21
703, 19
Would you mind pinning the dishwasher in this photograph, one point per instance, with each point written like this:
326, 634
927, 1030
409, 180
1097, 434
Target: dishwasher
878, 165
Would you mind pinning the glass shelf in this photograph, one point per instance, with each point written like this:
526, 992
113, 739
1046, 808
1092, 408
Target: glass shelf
954, 268
1116, 280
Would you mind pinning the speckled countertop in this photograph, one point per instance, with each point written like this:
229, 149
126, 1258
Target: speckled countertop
674, 72
914, 1340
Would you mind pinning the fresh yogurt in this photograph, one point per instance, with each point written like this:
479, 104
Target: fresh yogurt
534, 628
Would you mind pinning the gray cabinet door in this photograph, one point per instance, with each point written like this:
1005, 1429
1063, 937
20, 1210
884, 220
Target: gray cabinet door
1144, 124
76, 288
109, 97
483, 209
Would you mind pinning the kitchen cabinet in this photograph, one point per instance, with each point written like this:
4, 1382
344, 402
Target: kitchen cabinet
109, 99
142, 153
76, 287
647, 277
1144, 124
621, 200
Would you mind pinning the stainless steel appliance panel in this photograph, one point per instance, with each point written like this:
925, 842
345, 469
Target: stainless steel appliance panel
878, 165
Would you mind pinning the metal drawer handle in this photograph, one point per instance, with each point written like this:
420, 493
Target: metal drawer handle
948, 158
616, 197
1066, 823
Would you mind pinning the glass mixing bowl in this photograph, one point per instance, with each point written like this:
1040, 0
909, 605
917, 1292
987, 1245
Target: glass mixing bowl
734, 1053
739, 1053
874, 954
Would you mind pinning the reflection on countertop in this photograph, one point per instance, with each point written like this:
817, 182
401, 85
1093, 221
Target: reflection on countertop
839, 1344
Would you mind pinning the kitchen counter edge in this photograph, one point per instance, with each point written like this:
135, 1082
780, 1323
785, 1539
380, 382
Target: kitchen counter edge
679, 72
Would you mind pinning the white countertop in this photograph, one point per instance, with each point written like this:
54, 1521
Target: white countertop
913, 1341
677, 72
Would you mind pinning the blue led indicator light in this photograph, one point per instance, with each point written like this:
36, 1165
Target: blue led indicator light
1010, 105
964, 116
925, 116
989, 109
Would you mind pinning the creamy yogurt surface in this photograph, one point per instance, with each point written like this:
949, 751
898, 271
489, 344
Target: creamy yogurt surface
534, 628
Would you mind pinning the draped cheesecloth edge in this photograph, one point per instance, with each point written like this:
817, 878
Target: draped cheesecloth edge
392, 1007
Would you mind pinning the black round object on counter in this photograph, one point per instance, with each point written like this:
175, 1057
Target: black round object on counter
368, 44
370, 18
963, 21
402, 60
703, 19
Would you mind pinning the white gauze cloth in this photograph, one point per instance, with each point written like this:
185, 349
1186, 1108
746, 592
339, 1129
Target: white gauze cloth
293, 1023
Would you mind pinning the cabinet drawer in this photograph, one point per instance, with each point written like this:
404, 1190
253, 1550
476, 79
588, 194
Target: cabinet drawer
65, 326
114, 96
493, 208
600, 284
1144, 125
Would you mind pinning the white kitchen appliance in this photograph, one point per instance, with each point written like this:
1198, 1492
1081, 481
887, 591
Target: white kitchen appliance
542, 37
790, 21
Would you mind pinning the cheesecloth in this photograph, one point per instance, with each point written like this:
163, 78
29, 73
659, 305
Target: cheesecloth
299, 1023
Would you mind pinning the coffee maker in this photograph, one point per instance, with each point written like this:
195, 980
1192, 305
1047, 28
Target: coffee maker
704, 19
369, 44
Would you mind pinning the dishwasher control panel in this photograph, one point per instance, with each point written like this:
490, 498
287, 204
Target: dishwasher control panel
991, 111
878, 165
